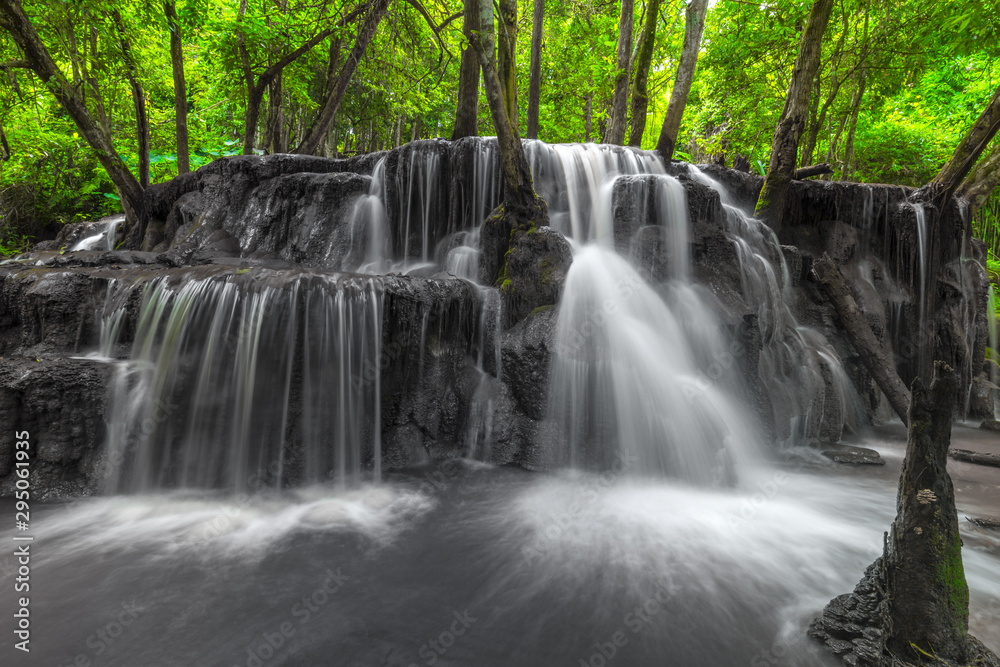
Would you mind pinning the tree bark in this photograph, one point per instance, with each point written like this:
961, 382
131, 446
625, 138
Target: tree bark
784, 147
929, 598
982, 180
853, 125
138, 99
860, 334
615, 132
334, 96
535, 82
180, 87
812, 170
506, 57
275, 117
809, 148
521, 207
17, 24
694, 27
588, 117
966, 155
467, 113
640, 91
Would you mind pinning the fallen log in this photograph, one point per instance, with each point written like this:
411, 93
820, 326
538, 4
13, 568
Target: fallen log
859, 332
975, 457
812, 170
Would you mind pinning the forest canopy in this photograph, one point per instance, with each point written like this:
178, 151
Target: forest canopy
898, 84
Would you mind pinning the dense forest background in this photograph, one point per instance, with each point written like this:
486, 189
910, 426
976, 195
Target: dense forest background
899, 83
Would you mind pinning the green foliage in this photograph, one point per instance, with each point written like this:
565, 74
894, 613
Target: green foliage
926, 70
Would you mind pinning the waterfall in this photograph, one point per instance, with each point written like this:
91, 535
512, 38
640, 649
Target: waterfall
104, 238
204, 400
810, 392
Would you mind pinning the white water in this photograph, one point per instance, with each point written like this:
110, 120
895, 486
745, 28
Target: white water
203, 401
104, 239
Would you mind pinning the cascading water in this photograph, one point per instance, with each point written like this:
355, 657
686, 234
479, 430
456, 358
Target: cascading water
204, 400
104, 238
810, 392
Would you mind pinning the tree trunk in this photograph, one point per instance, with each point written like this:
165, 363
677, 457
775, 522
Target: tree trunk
965, 156
535, 83
16, 23
853, 125
929, 598
982, 180
93, 83
335, 95
694, 27
615, 132
640, 92
507, 57
275, 117
180, 87
860, 334
810, 171
588, 118
521, 207
784, 147
835, 82
138, 99
467, 113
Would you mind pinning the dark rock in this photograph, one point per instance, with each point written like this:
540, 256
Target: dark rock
852, 455
60, 403
534, 272
527, 353
990, 425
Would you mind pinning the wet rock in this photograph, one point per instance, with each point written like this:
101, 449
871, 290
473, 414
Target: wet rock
990, 425
853, 455
60, 403
527, 350
534, 272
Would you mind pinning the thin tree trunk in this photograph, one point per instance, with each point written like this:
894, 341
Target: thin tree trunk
180, 87
275, 117
138, 99
467, 113
93, 78
518, 192
694, 27
16, 23
507, 57
853, 125
588, 118
982, 180
812, 136
784, 147
535, 83
335, 95
640, 92
615, 132
966, 154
